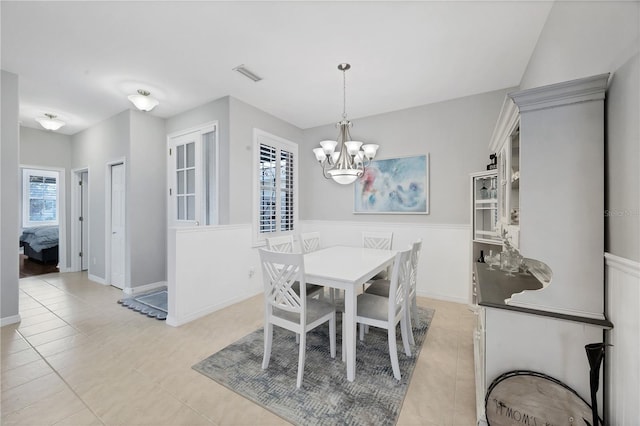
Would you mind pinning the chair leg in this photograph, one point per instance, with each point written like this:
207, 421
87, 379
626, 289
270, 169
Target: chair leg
297, 338
344, 346
332, 335
303, 347
406, 332
393, 352
362, 326
407, 315
414, 310
268, 338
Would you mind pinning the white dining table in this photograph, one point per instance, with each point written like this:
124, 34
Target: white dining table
346, 268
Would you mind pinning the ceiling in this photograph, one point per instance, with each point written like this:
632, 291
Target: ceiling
80, 60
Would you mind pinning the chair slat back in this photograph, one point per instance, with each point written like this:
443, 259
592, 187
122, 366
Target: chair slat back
377, 240
415, 256
279, 272
282, 244
400, 276
310, 241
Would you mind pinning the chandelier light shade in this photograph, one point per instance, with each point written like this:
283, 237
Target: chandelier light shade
143, 100
344, 160
50, 122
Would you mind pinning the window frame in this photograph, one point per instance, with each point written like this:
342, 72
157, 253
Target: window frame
26, 178
265, 138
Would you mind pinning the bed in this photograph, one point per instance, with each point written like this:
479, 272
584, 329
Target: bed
40, 243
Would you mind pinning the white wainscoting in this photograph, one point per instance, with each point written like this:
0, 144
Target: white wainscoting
210, 268
623, 358
444, 266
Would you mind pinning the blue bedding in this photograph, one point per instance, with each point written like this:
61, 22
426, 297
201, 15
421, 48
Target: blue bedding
40, 237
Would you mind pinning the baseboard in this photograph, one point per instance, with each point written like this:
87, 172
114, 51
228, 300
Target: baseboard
144, 288
443, 297
10, 320
97, 279
177, 322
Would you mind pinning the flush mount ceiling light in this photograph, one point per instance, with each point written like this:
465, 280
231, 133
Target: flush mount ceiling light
244, 71
143, 101
50, 122
349, 161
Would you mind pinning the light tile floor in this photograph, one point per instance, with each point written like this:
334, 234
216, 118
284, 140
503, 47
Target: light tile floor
79, 358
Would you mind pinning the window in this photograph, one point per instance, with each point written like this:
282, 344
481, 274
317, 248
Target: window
40, 197
276, 195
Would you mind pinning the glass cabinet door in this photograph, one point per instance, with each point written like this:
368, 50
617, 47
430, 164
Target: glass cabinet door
485, 207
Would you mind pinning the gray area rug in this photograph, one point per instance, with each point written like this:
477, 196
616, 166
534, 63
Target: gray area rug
152, 304
326, 397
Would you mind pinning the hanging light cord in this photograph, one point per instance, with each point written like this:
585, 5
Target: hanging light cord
344, 94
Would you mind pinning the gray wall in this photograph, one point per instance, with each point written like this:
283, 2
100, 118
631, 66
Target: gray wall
243, 119
217, 110
94, 148
622, 179
147, 197
139, 140
581, 39
456, 135
49, 149
9, 188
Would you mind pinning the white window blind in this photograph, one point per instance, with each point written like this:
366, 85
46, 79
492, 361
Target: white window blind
276, 186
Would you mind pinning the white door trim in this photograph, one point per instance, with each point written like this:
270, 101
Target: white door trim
76, 199
62, 210
107, 221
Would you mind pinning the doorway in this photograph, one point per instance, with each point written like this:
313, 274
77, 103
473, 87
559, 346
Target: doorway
80, 220
116, 211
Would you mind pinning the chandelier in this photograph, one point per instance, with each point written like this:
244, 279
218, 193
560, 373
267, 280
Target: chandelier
349, 161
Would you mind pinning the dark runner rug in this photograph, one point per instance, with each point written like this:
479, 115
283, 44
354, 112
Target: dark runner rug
326, 397
152, 304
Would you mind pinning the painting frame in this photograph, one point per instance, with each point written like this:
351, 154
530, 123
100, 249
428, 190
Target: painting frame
398, 185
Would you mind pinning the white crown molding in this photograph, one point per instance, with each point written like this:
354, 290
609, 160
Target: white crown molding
507, 121
565, 93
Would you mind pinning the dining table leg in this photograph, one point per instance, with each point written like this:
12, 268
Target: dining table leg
349, 339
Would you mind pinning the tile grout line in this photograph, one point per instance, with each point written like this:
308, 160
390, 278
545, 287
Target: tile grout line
63, 380
49, 364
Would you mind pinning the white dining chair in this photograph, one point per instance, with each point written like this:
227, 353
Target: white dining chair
387, 312
289, 309
377, 240
310, 241
381, 288
285, 244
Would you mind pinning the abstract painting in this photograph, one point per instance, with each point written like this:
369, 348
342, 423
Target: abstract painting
394, 186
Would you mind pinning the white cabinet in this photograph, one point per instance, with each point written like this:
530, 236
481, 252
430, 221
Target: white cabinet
550, 147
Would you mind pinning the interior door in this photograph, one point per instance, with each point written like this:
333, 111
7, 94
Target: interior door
186, 182
84, 224
117, 225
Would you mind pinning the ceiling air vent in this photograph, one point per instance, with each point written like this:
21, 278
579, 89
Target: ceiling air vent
242, 70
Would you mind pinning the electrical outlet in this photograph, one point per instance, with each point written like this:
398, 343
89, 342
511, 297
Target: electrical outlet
252, 271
